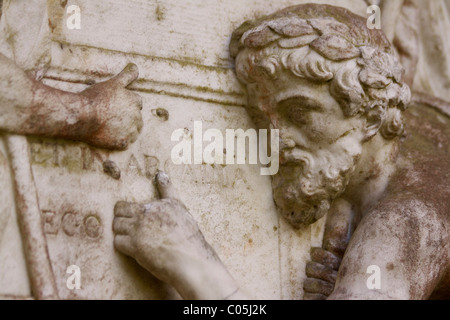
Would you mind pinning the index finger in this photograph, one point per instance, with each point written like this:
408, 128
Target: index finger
129, 74
165, 187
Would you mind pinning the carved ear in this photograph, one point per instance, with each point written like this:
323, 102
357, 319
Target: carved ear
374, 121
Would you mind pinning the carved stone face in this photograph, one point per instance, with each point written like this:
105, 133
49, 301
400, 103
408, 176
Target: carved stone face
328, 83
319, 146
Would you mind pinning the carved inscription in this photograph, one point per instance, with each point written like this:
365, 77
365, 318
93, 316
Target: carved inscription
81, 158
51, 223
208, 174
72, 224
75, 158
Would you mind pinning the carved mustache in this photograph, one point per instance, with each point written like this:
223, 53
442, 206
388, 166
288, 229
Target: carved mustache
295, 156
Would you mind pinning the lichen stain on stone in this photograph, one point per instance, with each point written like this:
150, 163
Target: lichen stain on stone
316, 232
51, 25
161, 113
3, 160
111, 169
56, 12
160, 12
425, 131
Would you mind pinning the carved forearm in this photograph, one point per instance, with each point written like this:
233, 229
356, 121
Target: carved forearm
322, 270
208, 280
30, 107
105, 115
165, 239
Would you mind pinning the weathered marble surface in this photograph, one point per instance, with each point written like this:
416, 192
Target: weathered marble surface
181, 49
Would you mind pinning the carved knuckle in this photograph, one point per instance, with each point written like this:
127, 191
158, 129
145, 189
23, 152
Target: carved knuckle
120, 208
140, 124
138, 101
319, 271
133, 136
155, 207
122, 144
325, 258
168, 205
123, 244
175, 204
318, 286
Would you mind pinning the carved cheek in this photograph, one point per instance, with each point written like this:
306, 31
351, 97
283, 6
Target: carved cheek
329, 128
317, 127
293, 136
274, 121
265, 107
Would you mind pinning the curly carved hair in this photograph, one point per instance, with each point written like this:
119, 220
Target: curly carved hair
324, 43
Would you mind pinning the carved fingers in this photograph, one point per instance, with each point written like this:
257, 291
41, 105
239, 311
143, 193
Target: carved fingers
165, 187
124, 244
320, 282
321, 274
129, 74
155, 233
326, 258
117, 111
317, 287
320, 271
164, 238
124, 226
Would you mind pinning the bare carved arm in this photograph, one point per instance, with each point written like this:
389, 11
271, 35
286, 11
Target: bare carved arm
165, 239
322, 270
105, 115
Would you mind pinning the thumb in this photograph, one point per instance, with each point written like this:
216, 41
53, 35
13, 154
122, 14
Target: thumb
165, 187
127, 75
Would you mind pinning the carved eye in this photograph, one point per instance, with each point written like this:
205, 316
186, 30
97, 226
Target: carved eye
298, 115
298, 109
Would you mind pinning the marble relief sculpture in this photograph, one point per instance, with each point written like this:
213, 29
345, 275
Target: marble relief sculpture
105, 115
335, 91
358, 148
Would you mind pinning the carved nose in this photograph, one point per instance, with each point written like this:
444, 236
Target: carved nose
286, 144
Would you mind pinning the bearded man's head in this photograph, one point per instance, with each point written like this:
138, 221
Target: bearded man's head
329, 84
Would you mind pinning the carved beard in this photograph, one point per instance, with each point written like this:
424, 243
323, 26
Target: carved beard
307, 183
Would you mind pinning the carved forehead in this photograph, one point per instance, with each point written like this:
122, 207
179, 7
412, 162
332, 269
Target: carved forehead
313, 24
286, 87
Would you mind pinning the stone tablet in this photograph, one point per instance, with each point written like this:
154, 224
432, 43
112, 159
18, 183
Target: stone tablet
67, 189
